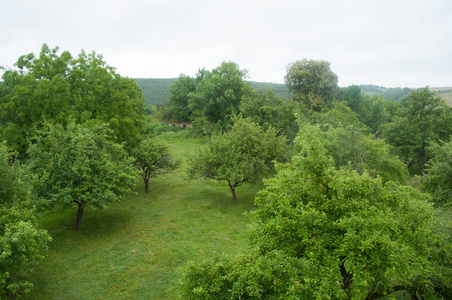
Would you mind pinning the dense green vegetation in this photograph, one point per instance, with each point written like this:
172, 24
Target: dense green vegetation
327, 167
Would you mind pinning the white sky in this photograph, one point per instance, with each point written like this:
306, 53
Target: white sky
384, 42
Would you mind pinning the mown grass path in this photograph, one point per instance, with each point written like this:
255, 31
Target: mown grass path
134, 248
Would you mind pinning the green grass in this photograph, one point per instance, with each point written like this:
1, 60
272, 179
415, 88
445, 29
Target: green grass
134, 248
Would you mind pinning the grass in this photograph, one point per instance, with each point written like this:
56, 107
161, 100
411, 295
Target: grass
134, 248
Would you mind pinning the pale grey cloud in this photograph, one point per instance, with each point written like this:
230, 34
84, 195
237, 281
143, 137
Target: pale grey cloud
390, 43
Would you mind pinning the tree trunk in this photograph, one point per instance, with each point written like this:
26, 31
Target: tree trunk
234, 196
78, 220
146, 185
347, 279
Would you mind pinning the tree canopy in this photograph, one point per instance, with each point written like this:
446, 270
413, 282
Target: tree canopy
242, 155
80, 166
422, 118
51, 88
312, 82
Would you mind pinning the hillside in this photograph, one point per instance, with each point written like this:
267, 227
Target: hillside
155, 90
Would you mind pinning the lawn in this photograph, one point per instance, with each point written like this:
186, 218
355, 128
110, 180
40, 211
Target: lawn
134, 248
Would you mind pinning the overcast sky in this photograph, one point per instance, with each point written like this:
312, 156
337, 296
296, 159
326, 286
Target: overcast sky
392, 43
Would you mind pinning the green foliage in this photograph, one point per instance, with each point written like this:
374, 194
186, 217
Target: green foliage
80, 165
177, 105
22, 244
242, 155
219, 92
422, 118
53, 88
439, 173
327, 233
349, 143
312, 82
268, 110
152, 158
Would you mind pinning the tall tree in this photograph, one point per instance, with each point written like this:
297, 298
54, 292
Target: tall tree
219, 92
79, 166
177, 105
22, 243
51, 88
242, 155
422, 118
312, 82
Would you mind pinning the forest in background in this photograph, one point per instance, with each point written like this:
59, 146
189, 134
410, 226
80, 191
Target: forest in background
155, 90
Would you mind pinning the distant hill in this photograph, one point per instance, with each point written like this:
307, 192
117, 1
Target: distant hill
155, 90
396, 94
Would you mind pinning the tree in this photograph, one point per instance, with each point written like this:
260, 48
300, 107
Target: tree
423, 118
439, 174
53, 88
178, 99
219, 92
312, 82
152, 158
22, 243
267, 109
80, 166
327, 233
242, 155
350, 145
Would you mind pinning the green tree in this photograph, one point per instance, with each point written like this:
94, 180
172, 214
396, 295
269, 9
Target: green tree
219, 92
423, 118
177, 105
438, 180
51, 88
152, 158
267, 109
22, 243
312, 82
80, 166
327, 233
242, 155
350, 145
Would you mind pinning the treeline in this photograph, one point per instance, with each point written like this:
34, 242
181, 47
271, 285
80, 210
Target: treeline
334, 219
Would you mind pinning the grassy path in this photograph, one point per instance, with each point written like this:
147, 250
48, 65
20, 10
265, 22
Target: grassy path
133, 249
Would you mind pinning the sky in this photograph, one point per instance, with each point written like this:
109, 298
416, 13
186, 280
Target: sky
391, 43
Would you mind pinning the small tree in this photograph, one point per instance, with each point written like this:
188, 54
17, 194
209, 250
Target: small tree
80, 165
152, 158
242, 155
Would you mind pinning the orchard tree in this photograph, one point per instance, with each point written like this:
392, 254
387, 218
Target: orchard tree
79, 165
328, 233
423, 118
22, 243
312, 82
152, 158
53, 88
245, 154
